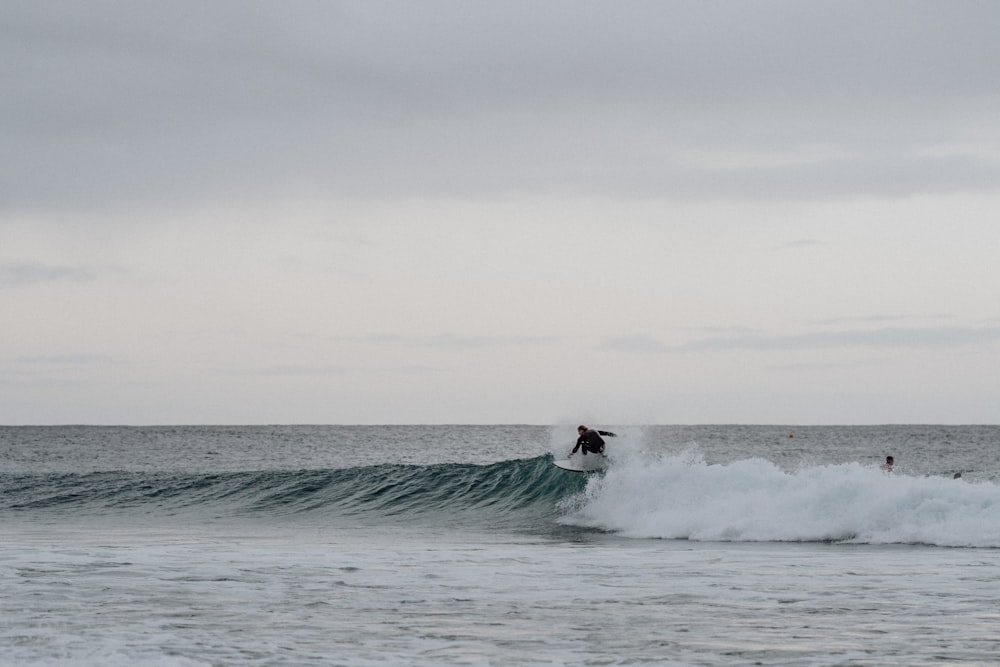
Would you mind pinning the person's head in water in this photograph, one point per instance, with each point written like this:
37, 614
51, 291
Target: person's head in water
581, 428
887, 466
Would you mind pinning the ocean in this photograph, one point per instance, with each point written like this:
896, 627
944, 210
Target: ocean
464, 545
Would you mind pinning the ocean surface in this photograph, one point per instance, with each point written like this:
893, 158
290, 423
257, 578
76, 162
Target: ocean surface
464, 545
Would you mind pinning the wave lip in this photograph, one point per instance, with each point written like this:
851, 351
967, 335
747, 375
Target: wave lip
680, 497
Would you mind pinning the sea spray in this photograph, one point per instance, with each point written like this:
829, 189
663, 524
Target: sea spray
753, 500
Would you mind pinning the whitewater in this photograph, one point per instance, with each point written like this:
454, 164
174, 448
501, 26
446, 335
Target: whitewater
464, 545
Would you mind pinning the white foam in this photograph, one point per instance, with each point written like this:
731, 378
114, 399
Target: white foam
682, 497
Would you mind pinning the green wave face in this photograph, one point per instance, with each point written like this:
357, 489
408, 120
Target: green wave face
517, 494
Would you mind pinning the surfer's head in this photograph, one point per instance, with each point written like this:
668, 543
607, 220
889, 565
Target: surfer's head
581, 428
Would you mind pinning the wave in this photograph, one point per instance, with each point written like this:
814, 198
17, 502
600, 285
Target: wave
508, 492
753, 500
641, 496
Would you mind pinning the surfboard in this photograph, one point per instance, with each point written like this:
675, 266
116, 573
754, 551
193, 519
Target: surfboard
590, 463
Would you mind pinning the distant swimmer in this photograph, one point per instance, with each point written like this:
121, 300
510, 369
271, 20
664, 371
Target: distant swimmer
590, 440
887, 466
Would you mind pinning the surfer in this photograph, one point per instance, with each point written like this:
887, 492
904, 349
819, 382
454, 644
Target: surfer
590, 440
887, 466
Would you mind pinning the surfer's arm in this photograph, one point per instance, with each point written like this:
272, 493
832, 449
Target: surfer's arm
608, 433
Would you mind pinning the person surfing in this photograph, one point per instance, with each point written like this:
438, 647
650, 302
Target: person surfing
590, 440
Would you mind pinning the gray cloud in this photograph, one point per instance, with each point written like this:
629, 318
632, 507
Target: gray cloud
718, 331
635, 343
108, 103
451, 341
415, 369
23, 274
294, 369
332, 370
801, 243
887, 337
821, 367
880, 319
67, 360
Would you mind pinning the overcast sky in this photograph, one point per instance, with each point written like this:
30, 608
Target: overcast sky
499, 212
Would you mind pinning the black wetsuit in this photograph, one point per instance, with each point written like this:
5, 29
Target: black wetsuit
590, 441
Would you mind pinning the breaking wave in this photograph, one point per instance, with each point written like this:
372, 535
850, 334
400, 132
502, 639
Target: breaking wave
641, 496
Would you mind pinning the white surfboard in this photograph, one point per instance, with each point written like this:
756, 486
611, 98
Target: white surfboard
577, 463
